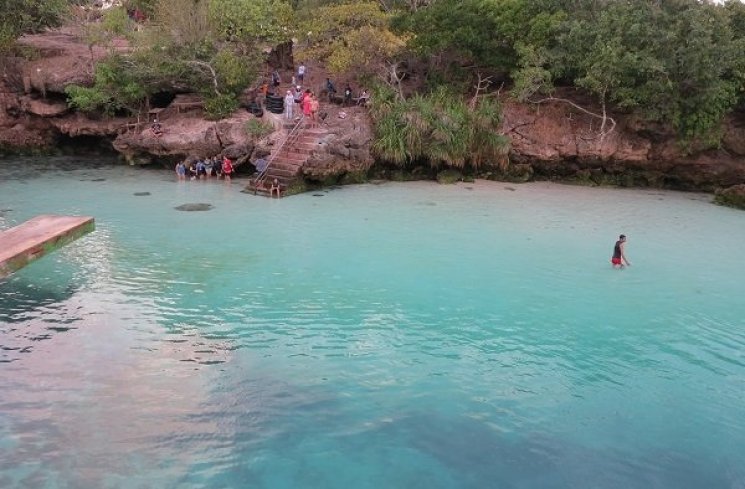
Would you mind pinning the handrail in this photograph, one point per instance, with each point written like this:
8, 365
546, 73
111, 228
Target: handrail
291, 137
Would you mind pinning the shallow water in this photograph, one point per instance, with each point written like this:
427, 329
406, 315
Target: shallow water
392, 335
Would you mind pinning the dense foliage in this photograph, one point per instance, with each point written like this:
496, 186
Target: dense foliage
188, 47
20, 16
677, 63
439, 128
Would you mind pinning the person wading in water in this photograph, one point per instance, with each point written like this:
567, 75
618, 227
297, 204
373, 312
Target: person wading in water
619, 256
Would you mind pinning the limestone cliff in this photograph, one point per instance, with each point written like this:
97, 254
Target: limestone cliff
548, 141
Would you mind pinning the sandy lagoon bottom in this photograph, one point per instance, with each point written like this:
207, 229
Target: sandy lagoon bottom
393, 335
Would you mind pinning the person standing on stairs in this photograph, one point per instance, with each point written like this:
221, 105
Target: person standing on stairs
301, 72
289, 103
314, 106
305, 103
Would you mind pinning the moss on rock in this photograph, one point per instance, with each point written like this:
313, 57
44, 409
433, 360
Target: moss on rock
449, 176
733, 196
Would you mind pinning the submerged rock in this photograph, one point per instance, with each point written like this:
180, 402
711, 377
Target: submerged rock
194, 207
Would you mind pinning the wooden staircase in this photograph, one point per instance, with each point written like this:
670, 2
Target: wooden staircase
286, 161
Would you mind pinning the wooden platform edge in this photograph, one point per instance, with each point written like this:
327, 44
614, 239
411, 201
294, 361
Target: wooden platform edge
47, 246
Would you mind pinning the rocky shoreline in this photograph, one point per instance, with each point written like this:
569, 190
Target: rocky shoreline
552, 141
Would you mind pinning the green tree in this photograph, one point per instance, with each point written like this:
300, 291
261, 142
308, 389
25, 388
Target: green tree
24, 16
251, 21
352, 37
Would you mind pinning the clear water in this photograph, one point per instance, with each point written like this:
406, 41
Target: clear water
374, 336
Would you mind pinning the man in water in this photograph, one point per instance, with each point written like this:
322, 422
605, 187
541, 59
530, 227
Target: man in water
619, 257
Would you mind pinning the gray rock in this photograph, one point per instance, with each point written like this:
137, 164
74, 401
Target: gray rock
194, 207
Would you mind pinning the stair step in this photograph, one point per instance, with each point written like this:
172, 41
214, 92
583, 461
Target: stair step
280, 172
291, 157
279, 162
295, 153
304, 149
286, 164
306, 146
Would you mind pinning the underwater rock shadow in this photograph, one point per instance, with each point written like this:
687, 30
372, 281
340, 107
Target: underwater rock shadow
197, 207
22, 328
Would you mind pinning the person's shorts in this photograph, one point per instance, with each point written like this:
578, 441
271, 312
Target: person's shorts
201, 172
616, 261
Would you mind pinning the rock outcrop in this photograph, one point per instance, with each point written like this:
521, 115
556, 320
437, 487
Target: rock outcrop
733, 196
555, 141
344, 154
549, 141
187, 135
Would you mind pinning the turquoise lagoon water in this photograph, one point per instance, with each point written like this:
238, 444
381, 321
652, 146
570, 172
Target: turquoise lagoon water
373, 336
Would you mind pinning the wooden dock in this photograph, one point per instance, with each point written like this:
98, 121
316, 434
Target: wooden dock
22, 244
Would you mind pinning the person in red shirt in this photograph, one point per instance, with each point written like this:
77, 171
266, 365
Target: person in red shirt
227, 168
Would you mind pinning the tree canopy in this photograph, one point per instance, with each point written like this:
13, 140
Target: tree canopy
677, 62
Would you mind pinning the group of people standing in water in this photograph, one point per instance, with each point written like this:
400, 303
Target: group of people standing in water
205, 168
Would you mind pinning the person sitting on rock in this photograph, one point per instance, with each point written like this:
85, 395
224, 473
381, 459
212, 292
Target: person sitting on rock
363, 98
156, 128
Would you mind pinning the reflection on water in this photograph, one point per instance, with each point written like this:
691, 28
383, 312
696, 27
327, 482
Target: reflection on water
384, 336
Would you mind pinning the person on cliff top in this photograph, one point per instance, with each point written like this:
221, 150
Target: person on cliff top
348, 95
619, 254
227, 168
289, 103
330, 89
301, 72
363, 98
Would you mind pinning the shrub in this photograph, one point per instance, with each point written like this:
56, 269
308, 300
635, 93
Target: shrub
220, 106
258, 129
439, 128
